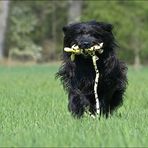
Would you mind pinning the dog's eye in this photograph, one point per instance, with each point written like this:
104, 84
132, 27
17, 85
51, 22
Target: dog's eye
78, 32
97, 35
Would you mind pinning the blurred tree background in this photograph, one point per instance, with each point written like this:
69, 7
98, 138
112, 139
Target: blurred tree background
34, 28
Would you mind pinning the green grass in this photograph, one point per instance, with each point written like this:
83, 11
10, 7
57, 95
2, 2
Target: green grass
33, 112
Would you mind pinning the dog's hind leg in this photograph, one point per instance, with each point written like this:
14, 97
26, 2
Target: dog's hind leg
117, 99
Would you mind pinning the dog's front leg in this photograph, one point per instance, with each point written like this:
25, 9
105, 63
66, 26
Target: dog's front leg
105, 97
77, 104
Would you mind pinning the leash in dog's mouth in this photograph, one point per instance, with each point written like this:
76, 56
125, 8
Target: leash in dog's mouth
75, 50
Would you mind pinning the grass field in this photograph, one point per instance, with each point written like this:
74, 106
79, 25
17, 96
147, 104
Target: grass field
33, 112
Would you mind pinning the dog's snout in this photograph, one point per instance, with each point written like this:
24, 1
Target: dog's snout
84, 45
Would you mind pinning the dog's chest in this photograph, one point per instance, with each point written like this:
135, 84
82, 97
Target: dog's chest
85, 74
84, 69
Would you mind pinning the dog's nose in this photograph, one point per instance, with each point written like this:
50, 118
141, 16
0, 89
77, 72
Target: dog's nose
84, 45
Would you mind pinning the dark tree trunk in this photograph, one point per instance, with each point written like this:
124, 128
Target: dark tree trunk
75, 8
136, 44
54, 32
137, 61
4, 9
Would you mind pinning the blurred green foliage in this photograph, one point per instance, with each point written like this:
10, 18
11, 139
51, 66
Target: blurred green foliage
32, 24
130, 19
37, 26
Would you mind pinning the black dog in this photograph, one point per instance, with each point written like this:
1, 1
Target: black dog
78, 76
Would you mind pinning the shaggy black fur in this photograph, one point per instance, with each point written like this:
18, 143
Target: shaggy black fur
78, 76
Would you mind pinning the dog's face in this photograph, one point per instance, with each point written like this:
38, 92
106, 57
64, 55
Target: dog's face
85, 35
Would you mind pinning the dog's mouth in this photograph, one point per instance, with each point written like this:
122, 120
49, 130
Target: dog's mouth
87, 51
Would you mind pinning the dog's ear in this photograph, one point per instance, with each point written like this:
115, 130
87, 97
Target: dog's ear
107, 27
65, 29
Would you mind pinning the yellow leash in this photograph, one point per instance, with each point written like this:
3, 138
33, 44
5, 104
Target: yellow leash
95, 58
